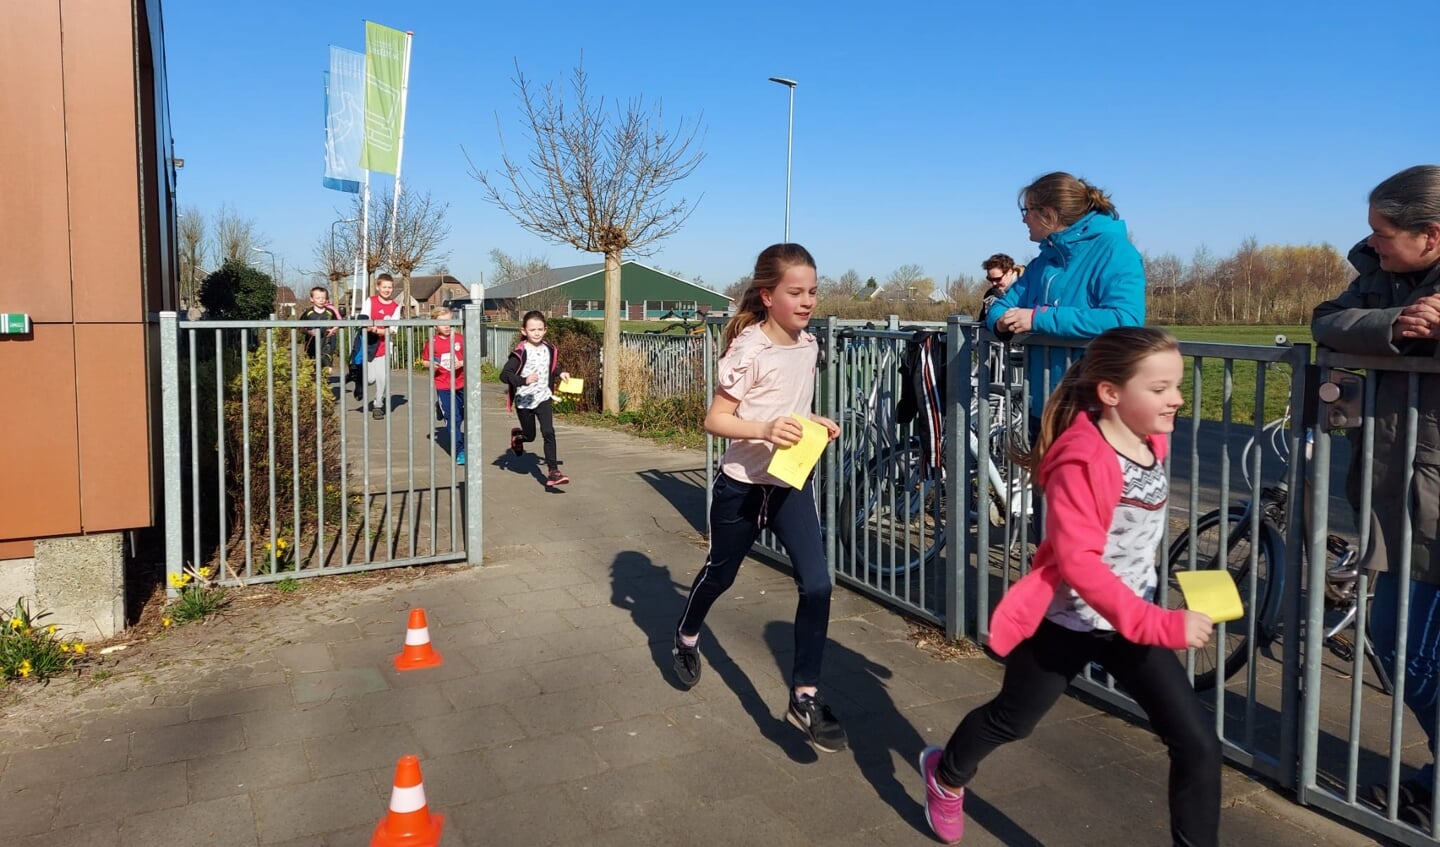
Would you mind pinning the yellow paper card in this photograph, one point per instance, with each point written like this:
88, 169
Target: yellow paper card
792, 464
1211, 593
573, 385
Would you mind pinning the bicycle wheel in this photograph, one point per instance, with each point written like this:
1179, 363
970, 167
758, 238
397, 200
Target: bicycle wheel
892, 513
1230, 656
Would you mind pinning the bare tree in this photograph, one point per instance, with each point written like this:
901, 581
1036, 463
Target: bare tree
235, 236
909, 282
348, 241
597, 181
415, 237
848, 285
332, 261
509, 267
190, 233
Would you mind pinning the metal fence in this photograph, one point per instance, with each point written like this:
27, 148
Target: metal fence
672, 364
277, 468
1294, 695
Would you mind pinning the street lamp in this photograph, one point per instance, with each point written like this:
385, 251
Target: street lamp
272, 260
789, 147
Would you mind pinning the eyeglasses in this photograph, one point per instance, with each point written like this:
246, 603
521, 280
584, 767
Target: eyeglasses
1023, 212
993, 279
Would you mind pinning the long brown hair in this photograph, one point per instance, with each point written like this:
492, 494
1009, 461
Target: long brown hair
771, 264
1065, 198
1113, 356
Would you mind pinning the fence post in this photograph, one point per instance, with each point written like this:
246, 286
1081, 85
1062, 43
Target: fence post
957, 473
710, 358
170, 448
472, 321
830, 406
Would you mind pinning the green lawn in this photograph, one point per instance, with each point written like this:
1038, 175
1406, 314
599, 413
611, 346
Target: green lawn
1243, 374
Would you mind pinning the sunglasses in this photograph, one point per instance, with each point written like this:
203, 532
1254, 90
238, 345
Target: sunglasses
994, 278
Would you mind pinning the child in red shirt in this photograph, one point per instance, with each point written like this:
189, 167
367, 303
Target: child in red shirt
445, 356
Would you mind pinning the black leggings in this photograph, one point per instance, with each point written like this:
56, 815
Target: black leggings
1037, 674
528, 417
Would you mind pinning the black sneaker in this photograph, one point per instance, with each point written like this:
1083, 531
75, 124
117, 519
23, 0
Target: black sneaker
813, 717
517, 441
1414, 800
377, 412
687, 662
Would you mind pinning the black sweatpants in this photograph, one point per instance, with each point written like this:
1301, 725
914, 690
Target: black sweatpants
1037, 673
541, 413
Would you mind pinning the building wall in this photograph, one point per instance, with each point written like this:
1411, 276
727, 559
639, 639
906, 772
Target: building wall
87, 231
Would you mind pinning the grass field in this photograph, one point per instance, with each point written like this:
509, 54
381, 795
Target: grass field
1243, 374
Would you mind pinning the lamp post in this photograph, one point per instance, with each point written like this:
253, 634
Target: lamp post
789, 147
272, 260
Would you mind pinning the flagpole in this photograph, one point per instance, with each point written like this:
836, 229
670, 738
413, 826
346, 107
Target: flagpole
364, 288
400, 143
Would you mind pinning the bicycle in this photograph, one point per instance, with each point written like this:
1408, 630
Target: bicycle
1215, 661
893, 514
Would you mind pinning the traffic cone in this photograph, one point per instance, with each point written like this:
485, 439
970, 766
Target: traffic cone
417, 653
408, 823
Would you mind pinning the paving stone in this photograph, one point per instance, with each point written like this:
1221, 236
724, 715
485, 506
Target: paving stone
519, 653
472, 729
225, 821
324, 805
120, 721
29, 810
647, 738
527, 625
363, 750
65, 762
187, 741
561, 711
245, 771
349, 682
450, 781
399, 706
305, 658
116, 795
581, 642
586, 671
490, 687
542, 762
88, 835
281, 726
236, 702
548, 600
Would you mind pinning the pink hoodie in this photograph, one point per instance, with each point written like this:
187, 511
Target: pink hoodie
1082, 487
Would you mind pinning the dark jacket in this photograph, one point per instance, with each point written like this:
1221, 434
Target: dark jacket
512, 373
1360, 322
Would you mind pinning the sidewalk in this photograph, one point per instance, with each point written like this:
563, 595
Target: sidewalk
554, 719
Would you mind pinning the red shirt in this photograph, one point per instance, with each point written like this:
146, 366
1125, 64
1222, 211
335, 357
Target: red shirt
435, 353
380, 310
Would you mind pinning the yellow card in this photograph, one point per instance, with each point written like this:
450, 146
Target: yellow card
1212, 593
792, 464
573, 385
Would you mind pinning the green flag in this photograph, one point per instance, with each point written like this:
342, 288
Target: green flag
384, 78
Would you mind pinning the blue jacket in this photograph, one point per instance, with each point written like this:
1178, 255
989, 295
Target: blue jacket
1088, 278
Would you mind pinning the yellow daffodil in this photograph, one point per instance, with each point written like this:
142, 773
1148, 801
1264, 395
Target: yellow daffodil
16, 623
281, 543
25, 668
64, 648
50, 630
204, 573
267, 545
165, 622
79, 647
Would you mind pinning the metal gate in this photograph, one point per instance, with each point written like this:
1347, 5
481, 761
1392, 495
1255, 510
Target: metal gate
277, 466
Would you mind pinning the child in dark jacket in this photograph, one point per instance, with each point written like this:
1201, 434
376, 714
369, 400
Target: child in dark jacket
533, 374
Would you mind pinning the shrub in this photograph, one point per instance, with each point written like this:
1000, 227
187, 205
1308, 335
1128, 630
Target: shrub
295, 394
238, 292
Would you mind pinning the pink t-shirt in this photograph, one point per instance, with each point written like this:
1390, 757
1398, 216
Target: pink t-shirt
768, 381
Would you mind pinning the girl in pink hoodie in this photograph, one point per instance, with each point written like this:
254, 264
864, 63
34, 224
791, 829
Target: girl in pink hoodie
1089, 597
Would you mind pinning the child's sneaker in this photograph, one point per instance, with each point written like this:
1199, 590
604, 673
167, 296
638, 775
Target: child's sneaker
377, 412
460, 459
944, 810
557, 478
517, 441
687, 662
811, 716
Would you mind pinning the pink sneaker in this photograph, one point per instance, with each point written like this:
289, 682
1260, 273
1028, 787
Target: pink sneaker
944, 811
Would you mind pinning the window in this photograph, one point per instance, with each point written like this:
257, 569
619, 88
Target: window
660, 307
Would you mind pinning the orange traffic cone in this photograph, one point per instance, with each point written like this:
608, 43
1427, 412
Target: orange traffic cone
409, 822
417, 653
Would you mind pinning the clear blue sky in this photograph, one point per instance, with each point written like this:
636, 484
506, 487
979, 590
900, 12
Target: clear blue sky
915, 123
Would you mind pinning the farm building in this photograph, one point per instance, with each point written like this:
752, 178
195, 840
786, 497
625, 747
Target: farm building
579, 292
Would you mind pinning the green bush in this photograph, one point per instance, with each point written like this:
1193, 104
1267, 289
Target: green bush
237, 292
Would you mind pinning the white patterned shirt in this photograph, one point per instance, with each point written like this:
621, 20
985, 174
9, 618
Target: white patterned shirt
537, 361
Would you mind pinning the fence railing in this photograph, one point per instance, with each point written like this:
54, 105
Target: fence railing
945, 543
279, 468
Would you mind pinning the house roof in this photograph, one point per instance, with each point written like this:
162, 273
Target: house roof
421, 287
541, 280
535, 283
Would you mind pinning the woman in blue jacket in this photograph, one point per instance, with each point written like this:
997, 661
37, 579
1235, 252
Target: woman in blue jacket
1088, 277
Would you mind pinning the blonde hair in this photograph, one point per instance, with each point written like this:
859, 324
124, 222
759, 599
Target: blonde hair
1113, 356
440, 312
770, 266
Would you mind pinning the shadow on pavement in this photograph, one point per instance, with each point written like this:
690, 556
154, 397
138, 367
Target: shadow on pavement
683, 489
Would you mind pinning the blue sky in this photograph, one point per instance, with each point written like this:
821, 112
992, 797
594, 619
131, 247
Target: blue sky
915, 123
